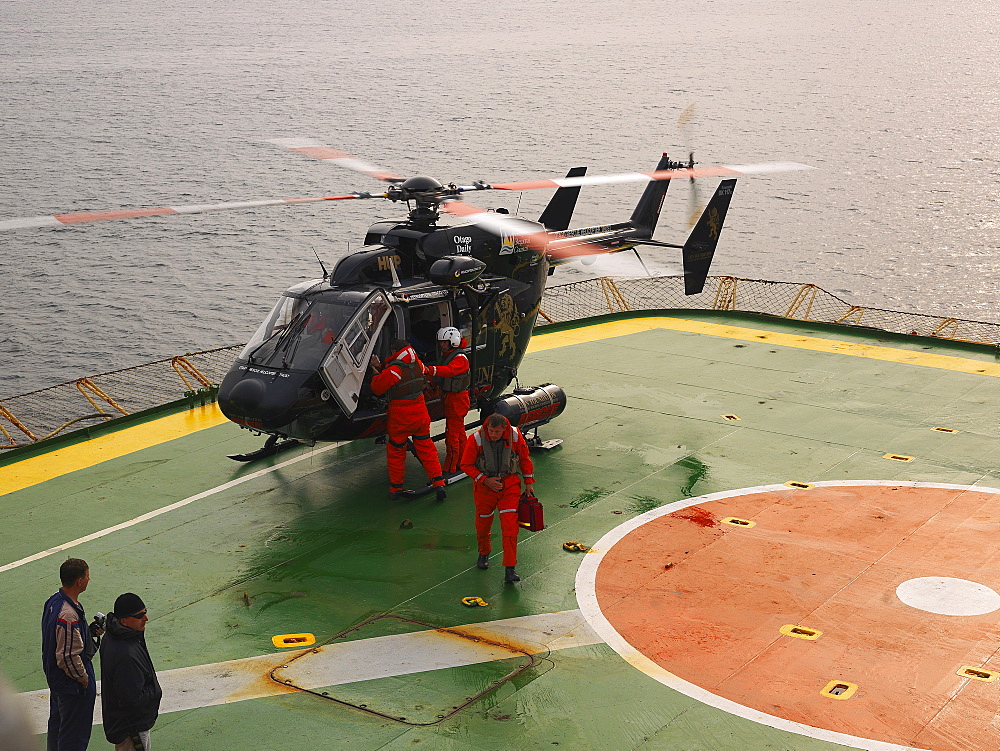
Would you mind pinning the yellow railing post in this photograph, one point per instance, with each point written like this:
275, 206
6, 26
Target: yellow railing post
944, 327
180, 362
725, 295
9, 416
854, 310
805, 296
85, 384
613, 295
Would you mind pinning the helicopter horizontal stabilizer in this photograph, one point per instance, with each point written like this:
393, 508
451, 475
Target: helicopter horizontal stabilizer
559, 212
700, 246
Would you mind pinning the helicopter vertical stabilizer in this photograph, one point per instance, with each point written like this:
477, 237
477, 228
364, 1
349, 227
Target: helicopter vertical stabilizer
647, 211
701, 244
559, 212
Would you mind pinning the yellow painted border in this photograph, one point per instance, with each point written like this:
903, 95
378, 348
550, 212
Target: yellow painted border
36, 469
636, 325
62, 461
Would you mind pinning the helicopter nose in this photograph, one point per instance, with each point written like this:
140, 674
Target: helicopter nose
247, 394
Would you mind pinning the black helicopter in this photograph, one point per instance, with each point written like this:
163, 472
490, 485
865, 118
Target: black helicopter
304, 375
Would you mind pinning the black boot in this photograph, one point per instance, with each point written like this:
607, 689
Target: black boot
442, 494
395, 495
484, 561
510, 575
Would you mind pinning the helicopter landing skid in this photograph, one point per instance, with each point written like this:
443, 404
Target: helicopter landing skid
535, 443
428, 489
271, 447
540, 445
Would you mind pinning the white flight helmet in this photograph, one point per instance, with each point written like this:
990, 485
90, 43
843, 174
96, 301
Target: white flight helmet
451, 335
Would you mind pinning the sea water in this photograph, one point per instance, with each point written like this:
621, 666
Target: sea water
109, 105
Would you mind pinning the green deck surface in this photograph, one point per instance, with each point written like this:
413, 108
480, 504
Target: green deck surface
317, 546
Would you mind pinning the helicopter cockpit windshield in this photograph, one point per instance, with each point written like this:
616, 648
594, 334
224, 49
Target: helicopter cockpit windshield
299, 332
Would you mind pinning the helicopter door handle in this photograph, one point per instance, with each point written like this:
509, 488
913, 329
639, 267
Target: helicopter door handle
354, 397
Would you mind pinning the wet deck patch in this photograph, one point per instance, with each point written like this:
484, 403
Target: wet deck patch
900, 579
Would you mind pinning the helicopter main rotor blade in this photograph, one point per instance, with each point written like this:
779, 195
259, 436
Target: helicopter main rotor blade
722, 170
79, 217
324, 153
527, 233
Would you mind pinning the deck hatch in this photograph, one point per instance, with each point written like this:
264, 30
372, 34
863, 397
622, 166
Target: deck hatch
293, 640
898, 457
978, 674
736, 522
469, 664
731, 418
799, 485
945, 430
801, 632
839, 690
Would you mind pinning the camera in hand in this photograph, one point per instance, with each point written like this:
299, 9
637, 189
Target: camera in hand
98, 624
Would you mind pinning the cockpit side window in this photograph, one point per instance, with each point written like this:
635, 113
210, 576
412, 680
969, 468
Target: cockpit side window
276, 321
358, 335
299, 335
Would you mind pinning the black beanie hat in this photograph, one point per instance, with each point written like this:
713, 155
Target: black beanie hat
128, 605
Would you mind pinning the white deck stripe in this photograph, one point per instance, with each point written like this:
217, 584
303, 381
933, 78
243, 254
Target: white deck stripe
348, 662
165, 509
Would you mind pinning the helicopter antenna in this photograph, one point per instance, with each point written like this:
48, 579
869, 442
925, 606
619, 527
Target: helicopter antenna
326, 274
517, 211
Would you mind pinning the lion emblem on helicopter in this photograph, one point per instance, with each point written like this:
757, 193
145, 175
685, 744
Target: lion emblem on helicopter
506, 322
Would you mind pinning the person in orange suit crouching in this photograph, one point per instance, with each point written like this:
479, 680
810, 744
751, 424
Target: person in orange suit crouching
496, 457
402, 381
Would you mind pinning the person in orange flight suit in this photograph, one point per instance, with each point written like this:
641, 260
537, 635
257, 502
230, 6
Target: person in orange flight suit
402, 380
496, 457
452, 375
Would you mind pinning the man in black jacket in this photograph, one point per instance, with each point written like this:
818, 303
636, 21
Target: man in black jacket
130, 693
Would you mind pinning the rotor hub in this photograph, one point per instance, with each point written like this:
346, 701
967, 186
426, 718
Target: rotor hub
421, 184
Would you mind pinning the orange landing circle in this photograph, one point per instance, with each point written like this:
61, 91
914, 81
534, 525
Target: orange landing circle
900, 578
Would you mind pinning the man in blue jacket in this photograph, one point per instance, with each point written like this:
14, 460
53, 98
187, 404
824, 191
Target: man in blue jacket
130, 693
67, 653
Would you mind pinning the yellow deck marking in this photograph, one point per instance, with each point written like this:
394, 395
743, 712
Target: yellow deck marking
869, 351
80, 456
68, 459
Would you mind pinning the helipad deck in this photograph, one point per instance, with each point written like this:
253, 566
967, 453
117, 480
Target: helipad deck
842, 608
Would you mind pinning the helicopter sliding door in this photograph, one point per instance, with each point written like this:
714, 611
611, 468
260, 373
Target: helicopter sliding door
344, 368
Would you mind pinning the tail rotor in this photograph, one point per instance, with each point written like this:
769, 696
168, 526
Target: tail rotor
695, 204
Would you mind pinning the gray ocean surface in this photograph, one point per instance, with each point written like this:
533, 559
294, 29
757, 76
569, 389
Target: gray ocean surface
109, 105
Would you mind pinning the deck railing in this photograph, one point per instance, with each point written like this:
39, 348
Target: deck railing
90, 401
